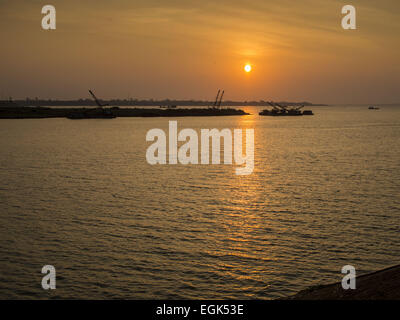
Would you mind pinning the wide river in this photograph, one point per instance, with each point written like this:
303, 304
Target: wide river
80, 195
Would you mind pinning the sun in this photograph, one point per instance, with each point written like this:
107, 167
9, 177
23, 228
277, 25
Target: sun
247, 68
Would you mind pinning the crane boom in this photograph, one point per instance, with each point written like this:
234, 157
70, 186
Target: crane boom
216, 99
97, 100
283, 108
220, 99
274, 105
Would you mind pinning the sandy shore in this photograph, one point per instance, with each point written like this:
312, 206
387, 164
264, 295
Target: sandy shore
380, 285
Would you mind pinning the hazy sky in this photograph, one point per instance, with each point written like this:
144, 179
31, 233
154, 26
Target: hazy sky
188, 49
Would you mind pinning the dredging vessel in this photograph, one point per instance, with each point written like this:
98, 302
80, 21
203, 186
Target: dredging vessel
278, 110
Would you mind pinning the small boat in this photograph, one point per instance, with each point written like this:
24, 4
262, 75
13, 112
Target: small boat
373, 108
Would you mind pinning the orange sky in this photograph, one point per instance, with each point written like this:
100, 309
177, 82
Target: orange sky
188, 49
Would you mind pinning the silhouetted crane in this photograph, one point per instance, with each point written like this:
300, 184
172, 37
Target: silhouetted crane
216, 99
273, 105
282, 107
220, 99
100, 105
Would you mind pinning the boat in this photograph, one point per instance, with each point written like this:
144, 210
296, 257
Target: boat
278, 111
373, 108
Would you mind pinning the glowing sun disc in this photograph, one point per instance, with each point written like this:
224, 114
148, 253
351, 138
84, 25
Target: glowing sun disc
247, 68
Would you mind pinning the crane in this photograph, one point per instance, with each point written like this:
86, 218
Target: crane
282, 107
273, 105
97, 100
298, 108
216, 99
220, 99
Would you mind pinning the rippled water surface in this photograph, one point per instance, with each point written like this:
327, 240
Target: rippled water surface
80, 195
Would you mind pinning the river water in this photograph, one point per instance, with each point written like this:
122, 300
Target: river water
79, 195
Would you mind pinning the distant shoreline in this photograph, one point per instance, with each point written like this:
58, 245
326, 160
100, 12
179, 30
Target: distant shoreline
145, 103
379, 285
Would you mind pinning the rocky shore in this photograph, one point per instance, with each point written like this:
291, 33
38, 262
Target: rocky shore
46, 112
380, 285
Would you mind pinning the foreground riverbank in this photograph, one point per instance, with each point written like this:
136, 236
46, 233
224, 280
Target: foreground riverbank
380, 285
45, 112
